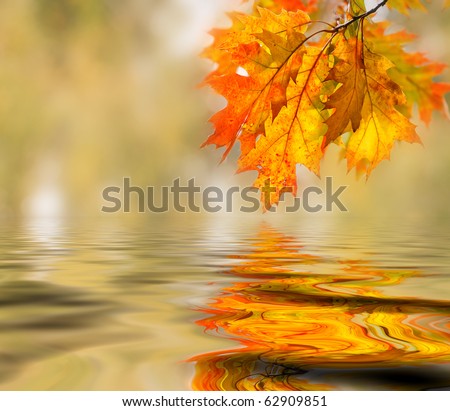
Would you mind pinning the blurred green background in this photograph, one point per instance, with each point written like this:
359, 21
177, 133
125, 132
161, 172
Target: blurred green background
94, 91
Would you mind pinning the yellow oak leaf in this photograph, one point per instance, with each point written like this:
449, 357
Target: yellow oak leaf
357, 7
295, 136
382, 124
294, 85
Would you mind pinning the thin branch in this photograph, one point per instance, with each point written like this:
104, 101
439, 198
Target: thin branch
361, 16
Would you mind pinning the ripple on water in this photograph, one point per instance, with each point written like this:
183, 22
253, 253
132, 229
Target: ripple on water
293, 309
301, 330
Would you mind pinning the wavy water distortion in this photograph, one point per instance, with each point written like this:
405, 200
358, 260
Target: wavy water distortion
302, 330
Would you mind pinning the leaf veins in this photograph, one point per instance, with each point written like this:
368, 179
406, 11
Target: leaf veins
289, 98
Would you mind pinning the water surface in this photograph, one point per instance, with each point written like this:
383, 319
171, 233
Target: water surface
224, 305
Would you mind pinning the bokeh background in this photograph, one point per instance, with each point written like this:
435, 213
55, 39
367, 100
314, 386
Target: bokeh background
94, 91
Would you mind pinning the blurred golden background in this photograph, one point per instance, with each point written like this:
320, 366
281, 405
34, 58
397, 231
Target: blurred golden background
94, 91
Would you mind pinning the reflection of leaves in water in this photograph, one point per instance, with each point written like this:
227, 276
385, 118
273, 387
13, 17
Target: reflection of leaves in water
292, 323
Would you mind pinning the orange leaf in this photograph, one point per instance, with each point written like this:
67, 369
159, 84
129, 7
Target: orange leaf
228, 122
289, 5
348, 100
269, 48
295, 135
413, 72
291, 94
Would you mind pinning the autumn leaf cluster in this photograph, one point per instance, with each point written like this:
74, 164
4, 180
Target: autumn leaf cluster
296, 83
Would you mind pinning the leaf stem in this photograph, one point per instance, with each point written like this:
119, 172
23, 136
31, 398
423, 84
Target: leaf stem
361, 16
